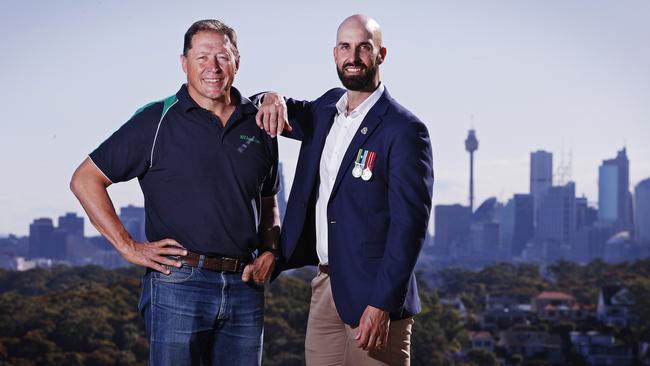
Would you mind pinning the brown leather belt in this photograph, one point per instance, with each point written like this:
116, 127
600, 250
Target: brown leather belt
324, 268
219, 264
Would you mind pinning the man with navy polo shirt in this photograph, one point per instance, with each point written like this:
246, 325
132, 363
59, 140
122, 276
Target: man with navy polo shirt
209, 179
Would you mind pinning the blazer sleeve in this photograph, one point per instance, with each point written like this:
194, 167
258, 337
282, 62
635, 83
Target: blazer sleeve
410, 187
300, 113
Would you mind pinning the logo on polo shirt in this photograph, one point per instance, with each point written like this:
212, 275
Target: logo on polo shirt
250, 139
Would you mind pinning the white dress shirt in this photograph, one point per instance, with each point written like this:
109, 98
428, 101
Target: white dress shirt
343, 129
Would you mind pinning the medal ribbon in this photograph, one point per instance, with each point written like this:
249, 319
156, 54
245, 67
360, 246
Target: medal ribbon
370, 162
359, 154
365, 158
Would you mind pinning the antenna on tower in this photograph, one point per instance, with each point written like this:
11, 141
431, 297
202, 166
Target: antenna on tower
563, 172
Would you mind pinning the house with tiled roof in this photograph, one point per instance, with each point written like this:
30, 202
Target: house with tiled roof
556, 306
481, 340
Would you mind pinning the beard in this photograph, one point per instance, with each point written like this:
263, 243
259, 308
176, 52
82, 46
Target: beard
363, 82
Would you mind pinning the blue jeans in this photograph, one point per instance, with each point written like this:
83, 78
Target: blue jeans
196, 316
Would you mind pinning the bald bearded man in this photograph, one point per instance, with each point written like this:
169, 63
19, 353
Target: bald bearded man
359, 206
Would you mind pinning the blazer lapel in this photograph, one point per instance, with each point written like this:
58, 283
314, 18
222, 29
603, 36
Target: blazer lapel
369, 123
325, 119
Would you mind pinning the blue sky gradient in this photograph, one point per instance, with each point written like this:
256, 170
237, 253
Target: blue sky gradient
565, 76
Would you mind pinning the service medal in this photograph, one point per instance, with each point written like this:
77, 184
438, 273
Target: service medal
357, 171
366, 175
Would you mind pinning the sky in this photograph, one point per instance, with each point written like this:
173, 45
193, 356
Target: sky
566, 76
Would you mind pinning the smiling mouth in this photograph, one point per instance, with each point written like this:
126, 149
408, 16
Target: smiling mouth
353, 69
213, 81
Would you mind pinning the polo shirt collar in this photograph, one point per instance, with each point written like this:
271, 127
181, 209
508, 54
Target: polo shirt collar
245, 106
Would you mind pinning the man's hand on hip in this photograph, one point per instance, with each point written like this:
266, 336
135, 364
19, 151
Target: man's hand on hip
372, 332
260, 270
272, 115
154, 254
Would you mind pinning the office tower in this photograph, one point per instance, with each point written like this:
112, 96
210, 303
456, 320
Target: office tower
471, 145
517, 227
71, 224
452, 225
585, 214
613, 192
484, 232
282, 197
132, 218
556, 220
541, 176
45, 241
642, 211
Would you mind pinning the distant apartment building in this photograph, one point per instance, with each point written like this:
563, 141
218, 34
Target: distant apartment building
517, 225
45, 241
541, 176
556, 221
614, 198
452, 228
642, 211
133, 219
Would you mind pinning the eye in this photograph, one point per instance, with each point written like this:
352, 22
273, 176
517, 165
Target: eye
202, 58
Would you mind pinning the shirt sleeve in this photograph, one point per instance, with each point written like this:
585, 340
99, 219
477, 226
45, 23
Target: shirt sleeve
271, 185
126, 153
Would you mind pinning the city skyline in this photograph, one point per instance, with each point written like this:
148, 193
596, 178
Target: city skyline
561, 77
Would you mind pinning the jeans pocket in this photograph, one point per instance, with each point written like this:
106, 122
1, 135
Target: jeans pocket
177, 275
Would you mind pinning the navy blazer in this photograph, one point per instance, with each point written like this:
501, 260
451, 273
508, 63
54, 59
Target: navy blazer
376, 228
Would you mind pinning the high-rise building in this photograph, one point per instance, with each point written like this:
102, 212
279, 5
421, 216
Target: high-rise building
45, 241
452, 227
133, 219
613, 192
556, 220
642, 211
517, 227
282, 197
71, 224
585, 214
541, 176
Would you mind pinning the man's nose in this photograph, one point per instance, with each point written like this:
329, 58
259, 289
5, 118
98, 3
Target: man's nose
356, 55
214, 65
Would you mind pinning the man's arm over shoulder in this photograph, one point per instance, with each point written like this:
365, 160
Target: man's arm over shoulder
290, 117
410, 187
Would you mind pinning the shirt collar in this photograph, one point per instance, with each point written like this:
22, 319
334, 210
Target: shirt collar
187, 103
364, 107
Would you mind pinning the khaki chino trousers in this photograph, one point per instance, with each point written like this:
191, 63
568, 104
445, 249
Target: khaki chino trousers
331, 342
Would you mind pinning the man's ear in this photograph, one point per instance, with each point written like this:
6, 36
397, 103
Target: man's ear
184, 63
381, 56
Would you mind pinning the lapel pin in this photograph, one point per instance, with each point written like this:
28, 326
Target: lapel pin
364, 130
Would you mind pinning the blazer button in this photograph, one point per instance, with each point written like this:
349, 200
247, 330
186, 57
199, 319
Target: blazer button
332, 222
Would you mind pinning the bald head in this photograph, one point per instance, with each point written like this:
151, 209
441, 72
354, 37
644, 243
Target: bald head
360, 23
359, 52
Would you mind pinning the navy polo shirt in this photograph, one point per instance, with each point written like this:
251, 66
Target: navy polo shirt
202, 182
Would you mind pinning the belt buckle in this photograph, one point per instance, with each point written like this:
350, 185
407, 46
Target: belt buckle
226, 263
